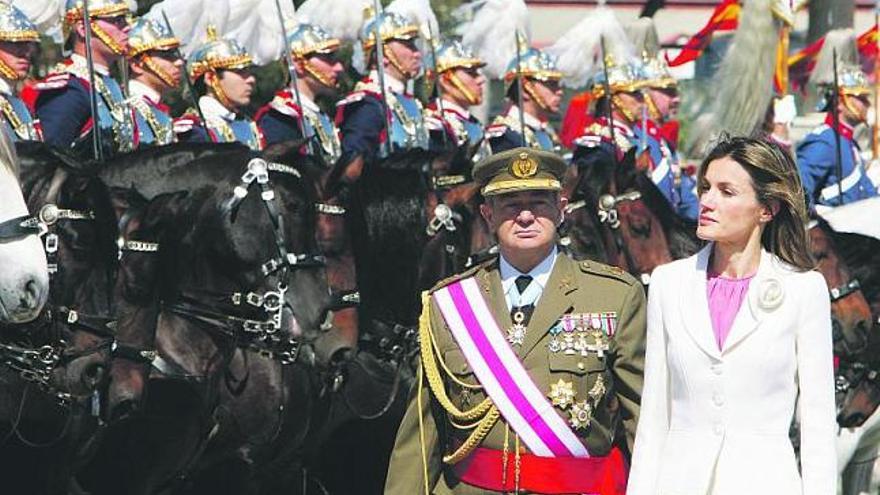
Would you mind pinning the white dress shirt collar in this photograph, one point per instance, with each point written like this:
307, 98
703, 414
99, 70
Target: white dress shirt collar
213, 109
540, 275
81, 61
391, 83
139, 89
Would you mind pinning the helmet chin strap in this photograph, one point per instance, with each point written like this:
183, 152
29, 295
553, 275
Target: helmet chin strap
653, 111
394, 61
314, 72
847, 103
8, 72
459, 85
529, 87
214, 84
159, 72
105, 38
617, 104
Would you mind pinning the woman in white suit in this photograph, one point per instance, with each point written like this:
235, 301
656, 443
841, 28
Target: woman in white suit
737, 335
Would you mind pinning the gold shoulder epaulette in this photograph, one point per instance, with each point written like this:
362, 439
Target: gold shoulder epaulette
467, 273
607, 271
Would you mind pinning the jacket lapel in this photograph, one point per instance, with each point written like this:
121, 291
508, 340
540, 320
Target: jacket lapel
554, 302
749, 316
694, 305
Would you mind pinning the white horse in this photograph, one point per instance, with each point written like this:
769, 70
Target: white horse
24, 278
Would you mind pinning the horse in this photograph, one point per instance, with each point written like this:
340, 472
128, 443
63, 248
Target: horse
24, 281
53, 405
236, 296
616, 215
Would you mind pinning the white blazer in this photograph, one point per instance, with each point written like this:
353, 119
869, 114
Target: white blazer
716, 422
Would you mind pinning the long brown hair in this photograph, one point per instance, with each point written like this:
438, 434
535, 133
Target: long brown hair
776, 179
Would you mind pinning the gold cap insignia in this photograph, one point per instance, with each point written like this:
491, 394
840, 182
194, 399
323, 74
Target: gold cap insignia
524, 166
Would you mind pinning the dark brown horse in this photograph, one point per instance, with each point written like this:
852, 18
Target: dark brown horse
52, 405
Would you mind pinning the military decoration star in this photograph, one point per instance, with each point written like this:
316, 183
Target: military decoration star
580, 415
562, 394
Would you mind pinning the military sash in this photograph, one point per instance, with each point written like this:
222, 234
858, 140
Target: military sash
502, 374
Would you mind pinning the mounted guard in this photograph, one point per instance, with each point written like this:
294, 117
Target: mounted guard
459, 86
314, 53
220, 71
829, 159
529, 121
376, 121
657, 129
64, 101
19, 39
156, 66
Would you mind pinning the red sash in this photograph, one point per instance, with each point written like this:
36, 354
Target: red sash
547, 475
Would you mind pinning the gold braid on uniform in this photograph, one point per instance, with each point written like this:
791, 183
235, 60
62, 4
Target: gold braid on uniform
483, 416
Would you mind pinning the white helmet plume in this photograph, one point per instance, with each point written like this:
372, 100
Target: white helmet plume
490, 30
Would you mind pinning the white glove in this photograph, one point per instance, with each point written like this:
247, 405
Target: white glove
784, 110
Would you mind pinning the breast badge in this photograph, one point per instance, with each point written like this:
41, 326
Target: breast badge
583, 333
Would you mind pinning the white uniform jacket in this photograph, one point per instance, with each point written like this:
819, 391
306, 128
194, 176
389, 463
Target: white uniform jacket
716, 422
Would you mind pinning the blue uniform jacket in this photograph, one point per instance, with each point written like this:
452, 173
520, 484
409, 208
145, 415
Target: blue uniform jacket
817, 162
678, 188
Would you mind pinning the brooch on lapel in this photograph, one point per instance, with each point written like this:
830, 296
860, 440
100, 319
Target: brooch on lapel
770, 294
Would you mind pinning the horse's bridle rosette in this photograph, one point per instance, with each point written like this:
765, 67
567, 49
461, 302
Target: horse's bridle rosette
770, 294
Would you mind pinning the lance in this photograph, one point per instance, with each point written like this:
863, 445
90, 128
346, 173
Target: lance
835, 116
875, 137
93, 94
437, 80
606, 84
186, 85
380, 72
519, 91
304, 127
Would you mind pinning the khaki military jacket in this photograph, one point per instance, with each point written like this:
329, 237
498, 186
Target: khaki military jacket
573, 288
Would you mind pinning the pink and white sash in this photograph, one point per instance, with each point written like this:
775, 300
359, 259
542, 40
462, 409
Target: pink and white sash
502, 374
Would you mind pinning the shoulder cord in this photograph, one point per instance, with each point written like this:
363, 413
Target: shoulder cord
485, 413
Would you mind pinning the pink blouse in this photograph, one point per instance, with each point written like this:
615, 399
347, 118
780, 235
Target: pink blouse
725, 297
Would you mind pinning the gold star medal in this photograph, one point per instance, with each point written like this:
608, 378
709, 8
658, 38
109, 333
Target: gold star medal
516, 334
562, 394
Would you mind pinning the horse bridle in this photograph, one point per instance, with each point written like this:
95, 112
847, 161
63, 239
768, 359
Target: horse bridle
608, 215
220, 314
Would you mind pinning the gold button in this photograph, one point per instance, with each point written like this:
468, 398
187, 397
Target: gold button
580, 366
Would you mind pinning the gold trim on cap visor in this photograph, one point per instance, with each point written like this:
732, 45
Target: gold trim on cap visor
76, 13
521, 185
165, 44
19, 36
403, 33
328, 46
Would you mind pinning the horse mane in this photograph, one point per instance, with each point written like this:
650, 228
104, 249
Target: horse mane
862, 256
681, 233
387, 220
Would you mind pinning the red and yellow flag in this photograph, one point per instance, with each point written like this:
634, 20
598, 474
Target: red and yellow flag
725, 18
802, 63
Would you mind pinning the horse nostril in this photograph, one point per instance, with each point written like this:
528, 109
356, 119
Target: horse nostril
30, 298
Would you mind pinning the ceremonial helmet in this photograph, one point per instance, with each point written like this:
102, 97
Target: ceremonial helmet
532, 64
392, 27
217, 53
17, 28
146, 35
840, 50
623, 77
450, 55
74, 11
309, 39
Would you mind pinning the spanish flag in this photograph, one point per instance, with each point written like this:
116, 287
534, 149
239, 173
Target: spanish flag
725, 18
802, 63
867, 45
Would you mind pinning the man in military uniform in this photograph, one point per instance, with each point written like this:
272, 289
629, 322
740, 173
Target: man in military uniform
817, 154
601, 141
375, 121
221, 72
18, 44
63, 100
156, 68
314, 53
459, 86
541, 97
531, 363
661, 103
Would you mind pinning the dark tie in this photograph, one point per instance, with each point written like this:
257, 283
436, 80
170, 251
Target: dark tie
522, 282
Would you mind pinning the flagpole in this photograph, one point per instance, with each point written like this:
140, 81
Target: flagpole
875, 135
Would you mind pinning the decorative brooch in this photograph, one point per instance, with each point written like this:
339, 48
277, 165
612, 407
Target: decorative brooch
770, 294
